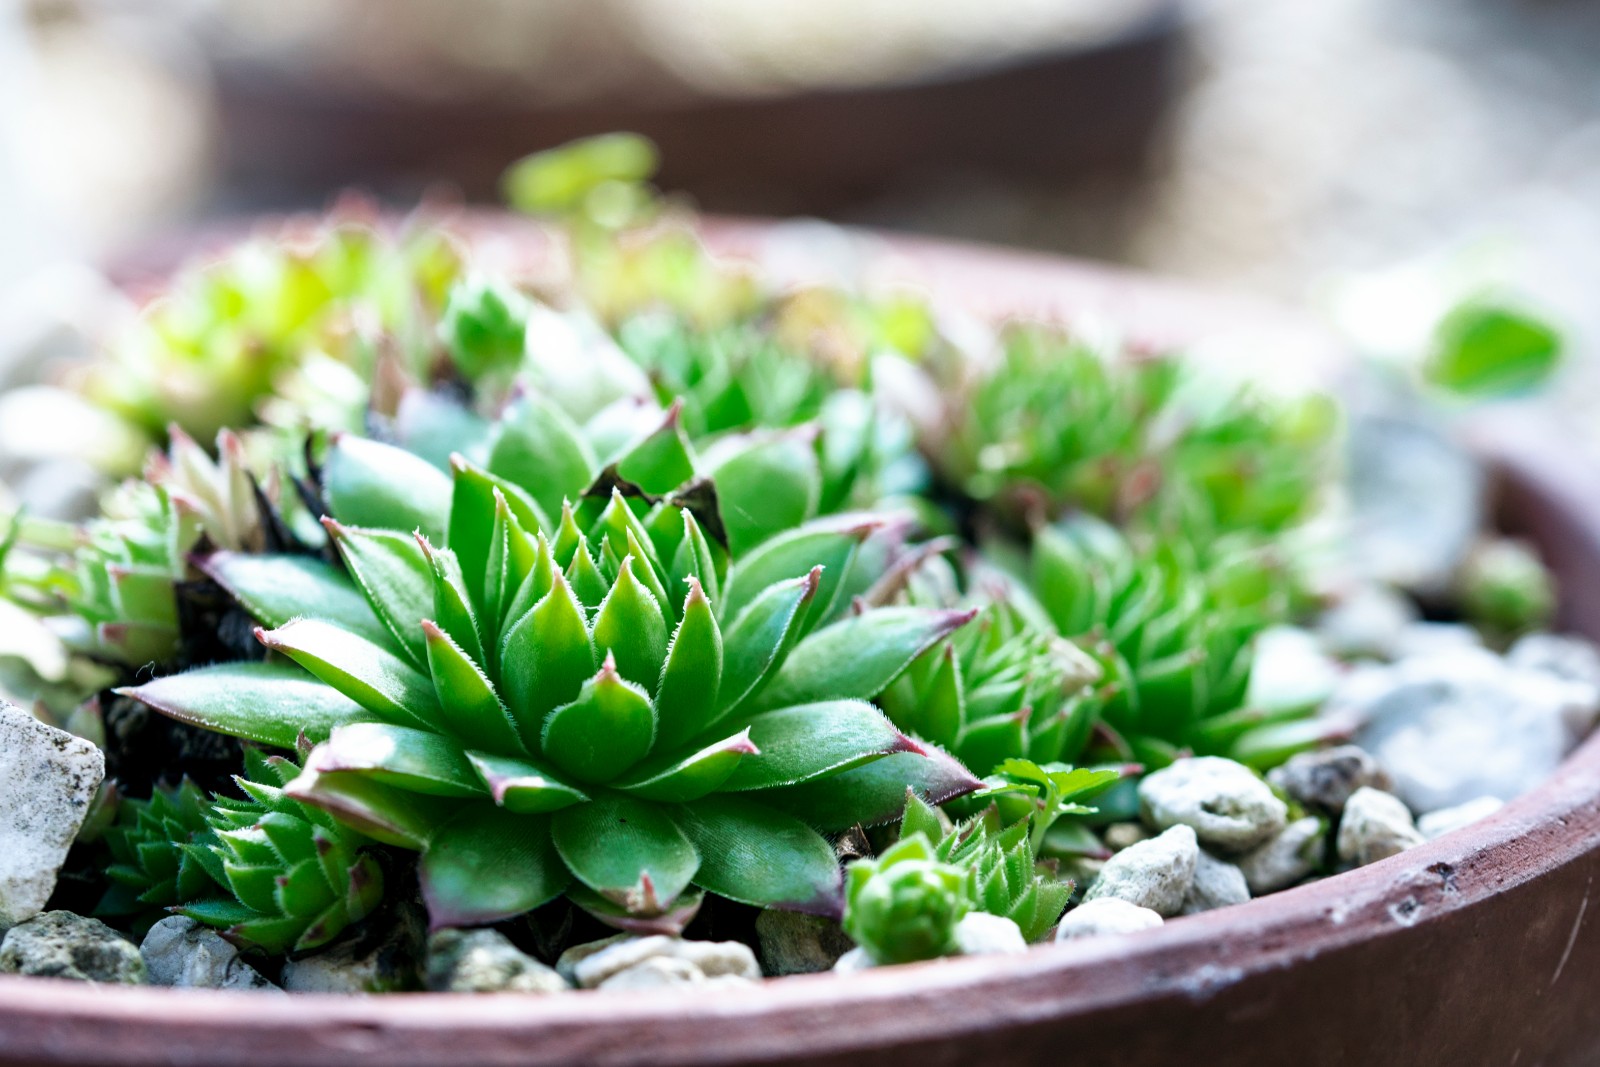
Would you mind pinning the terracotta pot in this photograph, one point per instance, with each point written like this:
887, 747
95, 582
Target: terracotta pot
1476, 948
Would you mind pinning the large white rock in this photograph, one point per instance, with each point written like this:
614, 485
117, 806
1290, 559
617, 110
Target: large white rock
712, 959
1285, 859
1375, 826
47, 779
1454, 726
1105, 915
1228, 807
1154, 874
1217, 884
981, 934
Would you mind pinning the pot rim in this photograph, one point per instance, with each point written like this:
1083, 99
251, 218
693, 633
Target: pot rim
1191, 958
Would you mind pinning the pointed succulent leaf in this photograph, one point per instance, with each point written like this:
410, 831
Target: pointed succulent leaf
369, 674
469, 708
472, 520
686, 698
647, 916
414, 760
269, 703
615, 843
755, 644
545, 659
696, 559
383, 812
677, 779
276, 589
810, 741
541, 448
394, 575
453, 608
606, 730
791, 554
757, 855
661, 460
375, 485
765, 488
523, 785
486, 864
859, 656
874, 793
631, 628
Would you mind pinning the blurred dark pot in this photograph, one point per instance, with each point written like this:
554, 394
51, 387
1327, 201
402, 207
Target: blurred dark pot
1475, 948
1085, 109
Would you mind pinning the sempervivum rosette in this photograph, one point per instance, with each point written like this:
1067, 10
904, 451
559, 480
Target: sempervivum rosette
600, 704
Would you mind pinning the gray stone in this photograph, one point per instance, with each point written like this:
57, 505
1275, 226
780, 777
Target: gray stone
1367, 623
981, 934
1216, 884
1456, 726
1105, 915
1284, 860
59, 944
795, 943
1445, 820
1416, 502
1571, 658
1323, 780
1153, 874
1119, 835
656, 972
1228, 807
485, 961
710, 958
1375, 826
50, 779
567, 963
189, 955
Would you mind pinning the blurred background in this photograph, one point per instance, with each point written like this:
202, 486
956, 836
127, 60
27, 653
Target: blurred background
1363, 158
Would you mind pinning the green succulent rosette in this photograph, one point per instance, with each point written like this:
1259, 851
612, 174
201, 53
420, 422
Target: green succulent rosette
602, 703
273, 315
152, 868
1004, 874
294, 878
904, 905
1056, 423
1173, 626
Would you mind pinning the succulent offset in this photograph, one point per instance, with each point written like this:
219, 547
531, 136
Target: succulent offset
153, 868
904, 905
293, 877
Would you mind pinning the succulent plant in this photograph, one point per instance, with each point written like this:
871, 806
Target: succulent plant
1505, 589
530, 705
153, 868
1056, 424
123, 584
904, 905
216, 346
1003, 874
999, 689
1173, 627
294, 877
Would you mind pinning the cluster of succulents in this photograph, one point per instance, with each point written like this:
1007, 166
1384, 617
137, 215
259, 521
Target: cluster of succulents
642, 593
